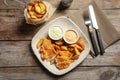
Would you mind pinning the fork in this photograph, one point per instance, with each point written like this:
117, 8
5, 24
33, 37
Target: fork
91, 34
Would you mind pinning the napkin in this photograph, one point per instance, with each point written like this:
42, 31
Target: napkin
108, 32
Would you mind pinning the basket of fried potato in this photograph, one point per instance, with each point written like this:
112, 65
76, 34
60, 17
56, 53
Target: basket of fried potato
60, 53
38, 12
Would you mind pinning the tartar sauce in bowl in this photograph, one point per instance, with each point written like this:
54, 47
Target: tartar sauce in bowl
55, 32
70, 36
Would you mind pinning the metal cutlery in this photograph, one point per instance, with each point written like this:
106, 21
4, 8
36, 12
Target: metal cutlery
91, 34
95, 25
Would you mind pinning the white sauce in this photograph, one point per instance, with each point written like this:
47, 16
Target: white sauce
55, 33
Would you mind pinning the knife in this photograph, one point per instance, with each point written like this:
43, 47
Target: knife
95, 25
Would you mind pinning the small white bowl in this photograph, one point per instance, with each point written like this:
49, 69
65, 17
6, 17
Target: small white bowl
71, 36
55, 32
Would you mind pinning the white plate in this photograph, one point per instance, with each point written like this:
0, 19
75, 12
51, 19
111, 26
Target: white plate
65, 23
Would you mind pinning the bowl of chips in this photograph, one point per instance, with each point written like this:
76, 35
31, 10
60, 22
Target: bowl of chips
38, 12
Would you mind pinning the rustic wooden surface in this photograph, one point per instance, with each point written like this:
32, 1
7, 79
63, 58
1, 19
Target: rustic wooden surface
17, 61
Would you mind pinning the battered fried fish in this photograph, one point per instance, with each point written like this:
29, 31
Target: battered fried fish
47, 50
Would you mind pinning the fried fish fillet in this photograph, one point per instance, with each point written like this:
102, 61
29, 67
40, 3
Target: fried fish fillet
63, 65
63, 59
47, 50
60, 54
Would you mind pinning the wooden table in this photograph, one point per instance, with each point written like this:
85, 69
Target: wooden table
17, 61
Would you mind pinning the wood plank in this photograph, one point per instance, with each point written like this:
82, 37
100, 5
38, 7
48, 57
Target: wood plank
19, 53
14, 27
13, 16
109, 4
113, 16
11, 13
79, 73
21, 4
76, 4
17, 61
18, 29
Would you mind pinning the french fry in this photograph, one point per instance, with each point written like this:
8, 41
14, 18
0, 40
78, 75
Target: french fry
64, 48
77, 46
81, 43
40, 43
72, 45
52, 61
75, 57
70, 49
71, 61
56, 47
59, 43
76, 51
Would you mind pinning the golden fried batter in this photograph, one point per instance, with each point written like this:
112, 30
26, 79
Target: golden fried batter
47, 49
59, 53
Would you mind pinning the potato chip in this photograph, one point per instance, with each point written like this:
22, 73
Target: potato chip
33, 8
37, 9
33, 17
29, 7
42, 6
